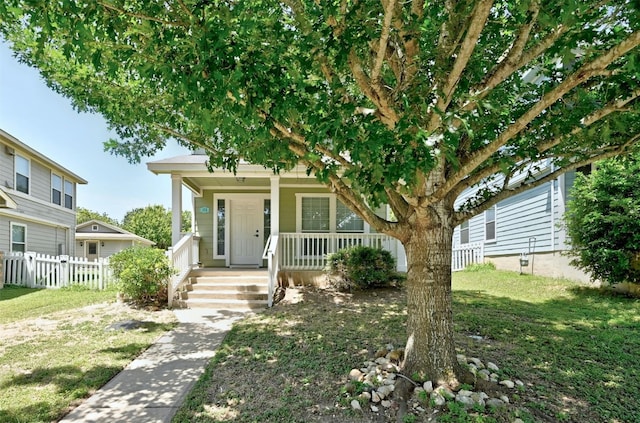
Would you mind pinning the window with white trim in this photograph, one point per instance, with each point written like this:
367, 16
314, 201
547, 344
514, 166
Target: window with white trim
325, 213
56, 189
18, 238
464, 232
490, 224
23, 173
68, 194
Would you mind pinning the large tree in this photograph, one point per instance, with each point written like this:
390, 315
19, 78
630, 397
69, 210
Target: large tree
85, 215
405, 103
153, 222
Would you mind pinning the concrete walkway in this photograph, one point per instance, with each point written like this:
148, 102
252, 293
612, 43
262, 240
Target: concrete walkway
153, 386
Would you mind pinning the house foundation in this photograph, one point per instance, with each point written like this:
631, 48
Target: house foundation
554, 265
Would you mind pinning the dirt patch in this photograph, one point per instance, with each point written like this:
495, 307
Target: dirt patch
24, 330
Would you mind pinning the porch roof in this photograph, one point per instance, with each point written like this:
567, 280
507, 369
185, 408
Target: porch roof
193, 170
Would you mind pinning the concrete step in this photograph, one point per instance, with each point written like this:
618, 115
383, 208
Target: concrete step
222, 295
226, 289
226, 304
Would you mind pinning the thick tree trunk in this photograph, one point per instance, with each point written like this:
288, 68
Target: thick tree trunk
430, 353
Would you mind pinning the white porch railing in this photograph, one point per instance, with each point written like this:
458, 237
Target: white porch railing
466, 254
272, 255
183, 257
308, 251
35, 270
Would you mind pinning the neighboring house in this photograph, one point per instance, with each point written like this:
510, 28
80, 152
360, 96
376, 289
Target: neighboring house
98, 239
37, 201
530, 223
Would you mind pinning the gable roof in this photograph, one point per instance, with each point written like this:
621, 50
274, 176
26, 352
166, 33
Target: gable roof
118, 234
6, 202
14, 143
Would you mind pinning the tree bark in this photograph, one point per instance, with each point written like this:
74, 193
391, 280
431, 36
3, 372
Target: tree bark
430, 353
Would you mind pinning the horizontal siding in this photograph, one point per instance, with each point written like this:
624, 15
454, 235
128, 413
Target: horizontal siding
6, 167
521, 217
101, 229
40, 182
52, 213
204, 227
4, 233
42, 239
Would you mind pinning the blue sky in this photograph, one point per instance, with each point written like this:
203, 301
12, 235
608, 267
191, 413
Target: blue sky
45, 121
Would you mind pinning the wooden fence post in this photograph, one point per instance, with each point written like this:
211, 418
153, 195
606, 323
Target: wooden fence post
1, 269
64, 270
30, 263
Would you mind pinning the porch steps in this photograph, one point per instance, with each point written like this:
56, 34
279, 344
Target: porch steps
226, 289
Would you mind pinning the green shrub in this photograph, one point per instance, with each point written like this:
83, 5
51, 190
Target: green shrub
142, 274
603, 221
361, 267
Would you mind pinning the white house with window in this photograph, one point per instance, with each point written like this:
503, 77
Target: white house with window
37, 201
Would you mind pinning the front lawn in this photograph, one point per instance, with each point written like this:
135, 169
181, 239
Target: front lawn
573, 347
55, 349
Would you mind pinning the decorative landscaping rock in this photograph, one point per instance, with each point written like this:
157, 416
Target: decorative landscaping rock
508, 383
380, 377
437, 399
355, 375
495, 403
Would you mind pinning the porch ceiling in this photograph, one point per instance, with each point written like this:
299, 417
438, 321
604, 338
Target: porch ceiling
242, 182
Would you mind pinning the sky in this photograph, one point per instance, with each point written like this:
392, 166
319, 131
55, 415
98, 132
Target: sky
46, 122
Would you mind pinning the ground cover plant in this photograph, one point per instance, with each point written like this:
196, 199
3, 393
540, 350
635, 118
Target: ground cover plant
573, 346
56, 350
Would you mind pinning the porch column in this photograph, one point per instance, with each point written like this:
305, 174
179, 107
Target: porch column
176, 208
275, 205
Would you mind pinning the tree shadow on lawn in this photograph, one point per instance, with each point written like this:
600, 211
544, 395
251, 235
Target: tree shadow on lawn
290, 362
9, 292
71, 383
578, 353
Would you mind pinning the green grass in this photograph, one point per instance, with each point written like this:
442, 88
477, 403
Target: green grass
19, 303
55, 349
575, 348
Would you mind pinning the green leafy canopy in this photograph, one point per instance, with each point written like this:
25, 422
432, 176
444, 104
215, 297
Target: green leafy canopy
408, 103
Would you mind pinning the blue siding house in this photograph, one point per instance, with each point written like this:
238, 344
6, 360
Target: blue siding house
528, 224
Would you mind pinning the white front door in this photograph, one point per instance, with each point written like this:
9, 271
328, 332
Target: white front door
246, 232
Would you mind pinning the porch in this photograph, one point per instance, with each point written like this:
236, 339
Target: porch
283, 253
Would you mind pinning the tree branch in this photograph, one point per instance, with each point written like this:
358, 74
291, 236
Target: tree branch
611, 107
503, 194
383, 41
474, 29
584, 73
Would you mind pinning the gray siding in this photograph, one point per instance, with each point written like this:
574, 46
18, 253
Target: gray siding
41, 238
6, 167
101, 229
536, 213
40, 182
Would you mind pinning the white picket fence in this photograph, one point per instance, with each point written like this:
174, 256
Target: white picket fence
35, 270
466, 254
